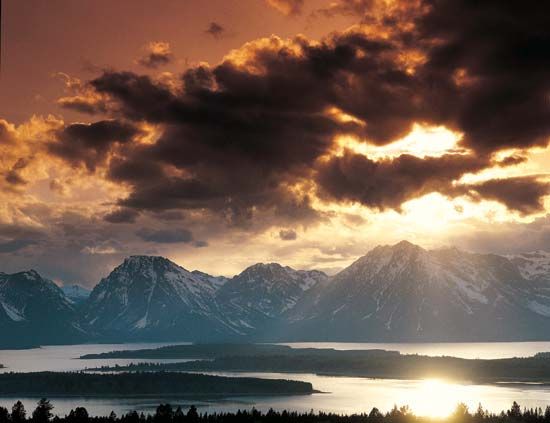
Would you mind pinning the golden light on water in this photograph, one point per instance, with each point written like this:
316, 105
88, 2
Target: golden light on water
435, 398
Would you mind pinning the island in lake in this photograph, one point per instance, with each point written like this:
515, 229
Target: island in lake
69, 384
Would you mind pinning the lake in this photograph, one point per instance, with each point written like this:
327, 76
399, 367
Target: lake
340, 394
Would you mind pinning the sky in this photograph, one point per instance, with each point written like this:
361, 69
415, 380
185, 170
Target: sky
222, 133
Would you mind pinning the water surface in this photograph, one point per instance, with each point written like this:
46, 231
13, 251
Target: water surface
341, 394
57, 358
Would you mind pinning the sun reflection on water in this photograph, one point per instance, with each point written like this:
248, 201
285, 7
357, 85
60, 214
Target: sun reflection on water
435, 398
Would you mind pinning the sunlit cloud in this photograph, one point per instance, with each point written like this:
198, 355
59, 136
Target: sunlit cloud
422, 141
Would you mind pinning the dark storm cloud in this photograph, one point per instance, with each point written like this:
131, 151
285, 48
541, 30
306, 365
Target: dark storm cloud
388, 183
238, 144
487, 60
502, 50
238, 136
215, 30
122, 215
522, 194
137, 168
89, 144
288, 234
166, 236
138, 95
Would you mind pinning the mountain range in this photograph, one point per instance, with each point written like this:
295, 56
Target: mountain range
394, 293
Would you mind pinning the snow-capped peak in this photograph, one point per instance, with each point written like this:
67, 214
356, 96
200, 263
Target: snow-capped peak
146, 292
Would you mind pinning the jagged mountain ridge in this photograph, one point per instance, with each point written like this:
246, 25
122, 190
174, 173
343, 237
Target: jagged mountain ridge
261, 295
394, 293
150, 297
153, 298
406, 293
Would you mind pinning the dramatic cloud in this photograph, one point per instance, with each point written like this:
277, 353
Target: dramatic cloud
245, 133
496, 53
89, 144
158, 53
235, 149
215, 30
389, 183
522, 194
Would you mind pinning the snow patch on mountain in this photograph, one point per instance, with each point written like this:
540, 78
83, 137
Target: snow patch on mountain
533, 265
12, 312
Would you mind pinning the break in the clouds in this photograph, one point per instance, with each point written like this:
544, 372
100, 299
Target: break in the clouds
304, 132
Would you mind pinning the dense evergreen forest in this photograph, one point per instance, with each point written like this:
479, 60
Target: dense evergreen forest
364, 363
165, 413
143, 384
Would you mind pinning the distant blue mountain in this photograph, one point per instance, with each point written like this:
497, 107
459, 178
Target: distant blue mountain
76, 293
